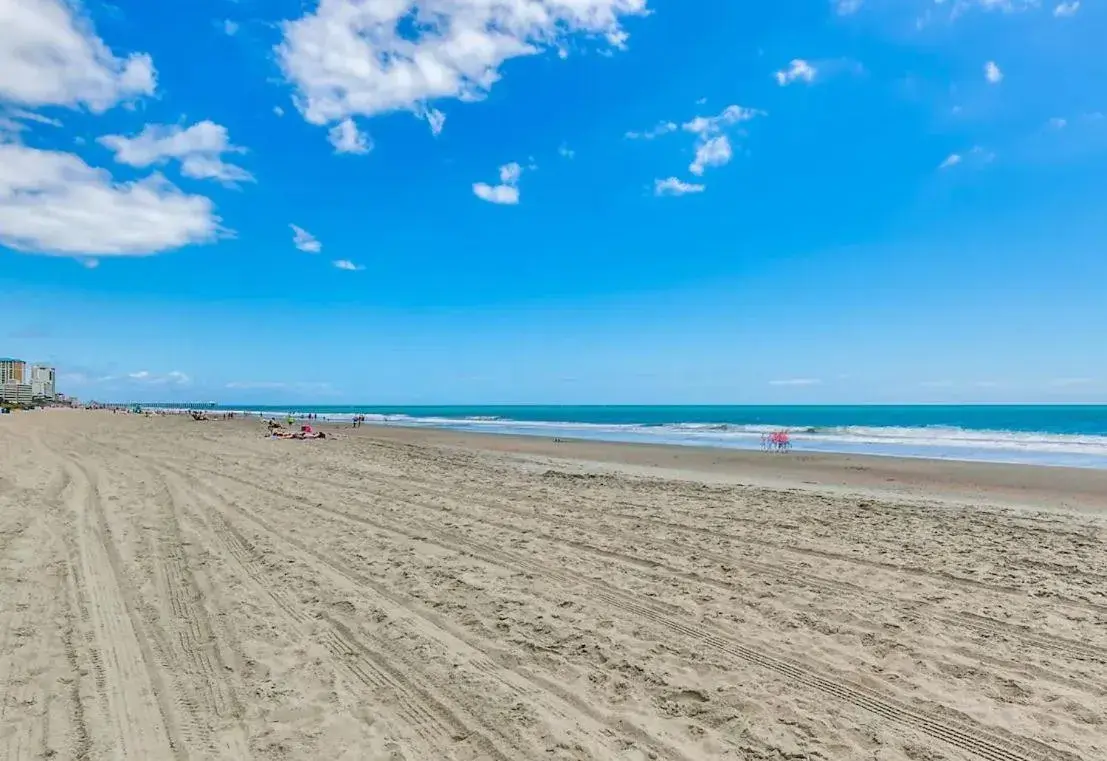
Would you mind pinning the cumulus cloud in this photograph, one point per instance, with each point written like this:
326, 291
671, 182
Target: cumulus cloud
731, 115
305, 241
51, 55
675, 187
951, 160
54, 203
566, 152
347, 138
198, 148
353, 58
346, 264
715, 151
507, 192
230, 28
798, 70
1066, 9
846, 7
664, 128
993, 73
713, 147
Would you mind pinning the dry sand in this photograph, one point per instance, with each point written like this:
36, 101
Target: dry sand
180, 590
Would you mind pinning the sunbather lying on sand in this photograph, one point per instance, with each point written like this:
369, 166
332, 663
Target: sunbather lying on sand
298, 435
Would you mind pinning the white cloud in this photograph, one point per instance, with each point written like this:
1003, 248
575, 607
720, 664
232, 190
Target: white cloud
798, 70
510, 173
796, 382
278, 110
54, 203
346, 264
715, 151
437, 120
347, 138
230, 28
977, 156
952, 160
501, 194
664, 128
507, 192
51, 56
992, 73
675, 187
1066, 9
199, 149
305, 241
713, 148
1058, 122
175, 377
731, 115
566, 152
355, 58
846, 7
31, 116
12, 122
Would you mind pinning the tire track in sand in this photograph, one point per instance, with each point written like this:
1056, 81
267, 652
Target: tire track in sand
957, 731
137, 719
982, 625
409, 482
550, 698
434, 724
188, 644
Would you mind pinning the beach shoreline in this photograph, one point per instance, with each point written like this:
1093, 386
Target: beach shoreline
1057, 435
1045, 487
196, 589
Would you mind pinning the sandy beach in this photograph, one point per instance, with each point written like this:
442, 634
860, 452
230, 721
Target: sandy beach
172, 589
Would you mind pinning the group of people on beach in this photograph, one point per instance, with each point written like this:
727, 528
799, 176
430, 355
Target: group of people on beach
277, 431
777, 441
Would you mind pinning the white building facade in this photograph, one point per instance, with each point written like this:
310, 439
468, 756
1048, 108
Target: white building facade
16, 393
43, 382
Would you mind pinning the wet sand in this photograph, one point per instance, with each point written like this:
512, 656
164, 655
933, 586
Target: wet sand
182, 590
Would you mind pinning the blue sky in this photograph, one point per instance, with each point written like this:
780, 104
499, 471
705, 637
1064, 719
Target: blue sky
611, 201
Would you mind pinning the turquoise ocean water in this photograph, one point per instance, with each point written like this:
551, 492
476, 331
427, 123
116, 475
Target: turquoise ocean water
1043, 435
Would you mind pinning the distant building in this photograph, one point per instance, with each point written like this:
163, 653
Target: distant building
42, 382
12, 370
16, 393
